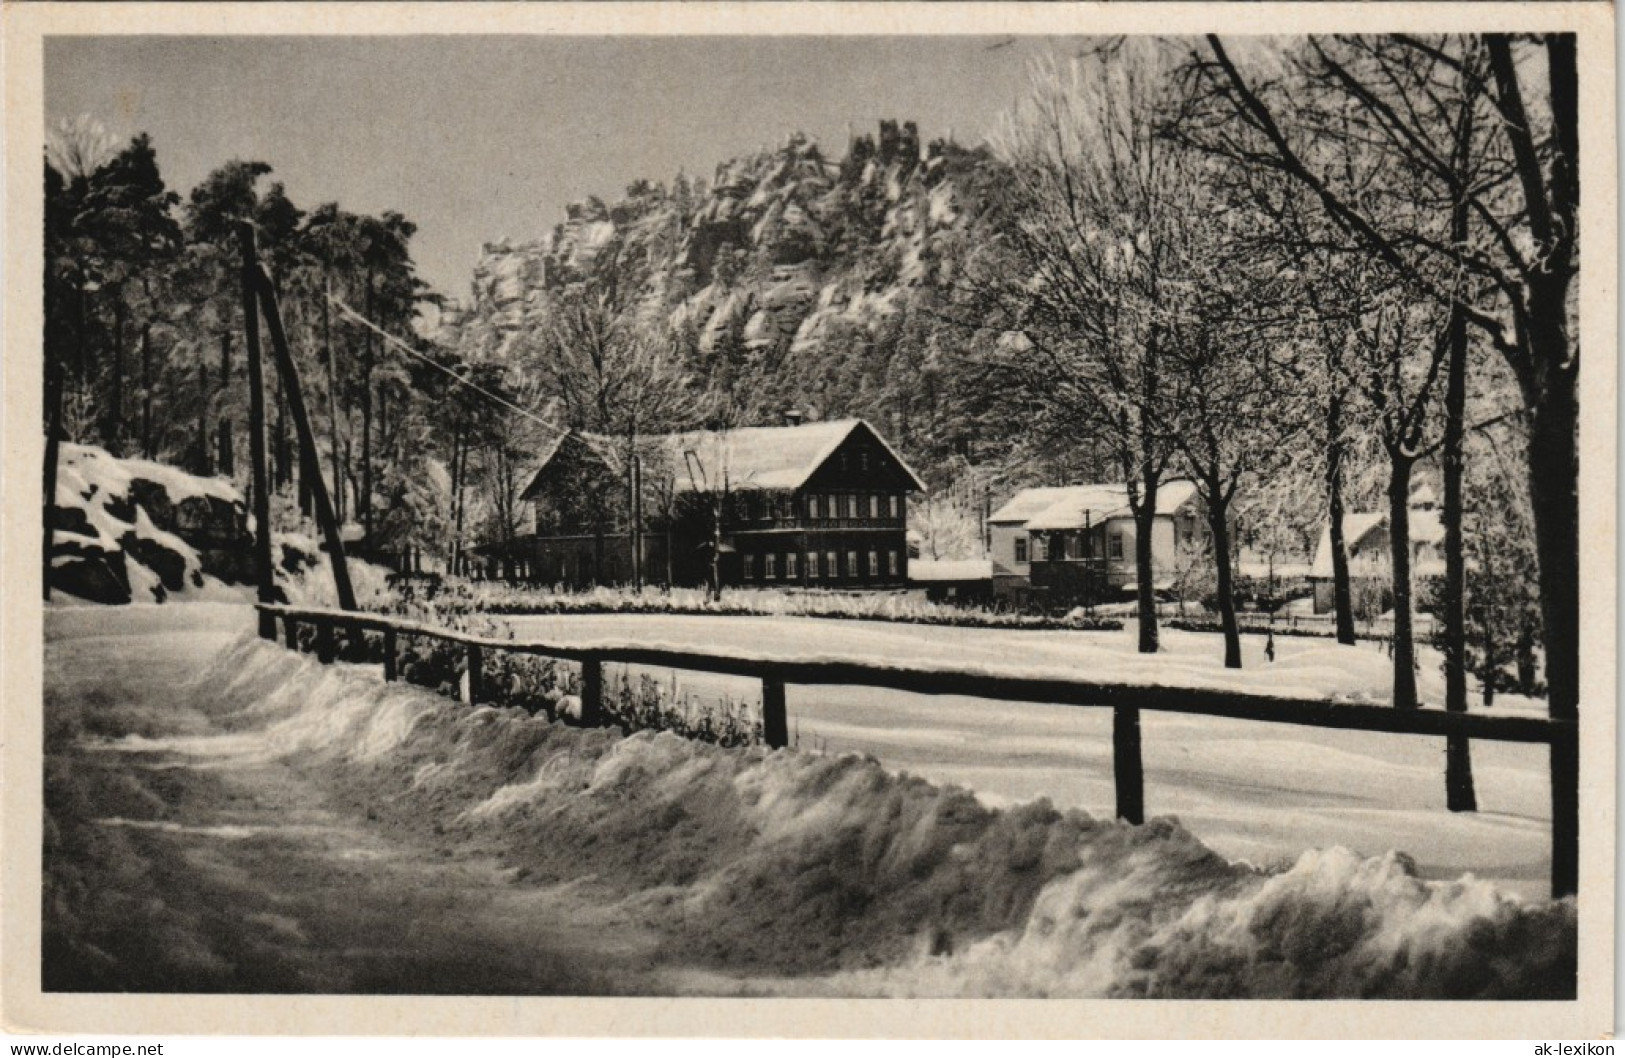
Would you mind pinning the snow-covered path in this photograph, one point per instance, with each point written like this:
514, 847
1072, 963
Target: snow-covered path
1259, 792
202, 868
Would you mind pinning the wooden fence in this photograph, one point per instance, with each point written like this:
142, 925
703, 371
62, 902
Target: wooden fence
1126, 701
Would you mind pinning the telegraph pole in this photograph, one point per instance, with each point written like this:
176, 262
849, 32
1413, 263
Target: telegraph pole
309, 467
265, 574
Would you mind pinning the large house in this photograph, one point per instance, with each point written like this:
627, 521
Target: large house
820, 504
1365, 537
1075, 543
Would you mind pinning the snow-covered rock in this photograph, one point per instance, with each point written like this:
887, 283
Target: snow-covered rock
133, 529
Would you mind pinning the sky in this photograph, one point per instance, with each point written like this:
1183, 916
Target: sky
480, 138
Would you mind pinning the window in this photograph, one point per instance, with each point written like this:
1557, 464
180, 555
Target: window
852, 564
1040, 549
770, 567
874, 505
812, 565
891, 503
891, 563
1021, 549
1116, 545
750, 567
856, 506
812, 505
831, 565
874, 563
863, 461
790, 566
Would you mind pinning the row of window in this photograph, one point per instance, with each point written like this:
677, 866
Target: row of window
874, 506
852, 505
1040, 548
820, 565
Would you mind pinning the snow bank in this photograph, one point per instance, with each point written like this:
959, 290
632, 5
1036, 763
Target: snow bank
786, 864
1334, 925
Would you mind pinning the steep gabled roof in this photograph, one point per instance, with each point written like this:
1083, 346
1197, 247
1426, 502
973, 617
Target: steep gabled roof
751, 457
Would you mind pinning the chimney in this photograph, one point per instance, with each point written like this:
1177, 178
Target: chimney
793, 416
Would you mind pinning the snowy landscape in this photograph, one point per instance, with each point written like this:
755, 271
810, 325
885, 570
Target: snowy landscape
1122, 545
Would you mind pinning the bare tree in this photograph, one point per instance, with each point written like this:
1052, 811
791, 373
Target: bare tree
615, 376
1097, 200
1405, 97
1238, 404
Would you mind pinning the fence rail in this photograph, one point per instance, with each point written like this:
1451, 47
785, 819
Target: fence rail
1125, 700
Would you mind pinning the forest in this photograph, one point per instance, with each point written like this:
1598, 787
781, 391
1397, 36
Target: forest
1312, 275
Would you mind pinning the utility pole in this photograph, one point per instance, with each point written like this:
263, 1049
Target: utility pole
264, 573
309, 469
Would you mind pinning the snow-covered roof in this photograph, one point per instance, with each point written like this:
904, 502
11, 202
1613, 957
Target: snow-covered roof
1426, 528
927, 572
1085, 505
751, 457
1026, 503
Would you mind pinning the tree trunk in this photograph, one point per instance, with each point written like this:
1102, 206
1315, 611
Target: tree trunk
1145, 520
281, 472
224, 461
53, 437
1218, 524
1342, 595
146, 390
1458, 773
1399, 545
228, 464
716, 556
113, 431
332, 402
203, 441
459, 462
1553, 473
364, 500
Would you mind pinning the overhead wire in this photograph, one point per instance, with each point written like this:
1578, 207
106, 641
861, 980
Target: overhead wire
346, 310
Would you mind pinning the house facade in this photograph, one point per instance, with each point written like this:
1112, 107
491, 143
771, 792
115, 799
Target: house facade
1365, 536
813, 505
1076, 544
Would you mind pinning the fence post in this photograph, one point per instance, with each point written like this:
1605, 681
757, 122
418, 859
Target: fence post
389, 654
324, 641
775, 723
1565, 811
290, 632
476, 689
1127, 768
592, 692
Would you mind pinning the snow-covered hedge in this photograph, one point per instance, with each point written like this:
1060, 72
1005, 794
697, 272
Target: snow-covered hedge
475, 596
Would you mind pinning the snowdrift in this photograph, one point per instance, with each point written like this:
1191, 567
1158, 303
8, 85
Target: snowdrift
799, 873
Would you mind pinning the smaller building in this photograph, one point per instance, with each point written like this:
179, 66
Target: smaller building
1365, 536
1075, 544
961, 582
